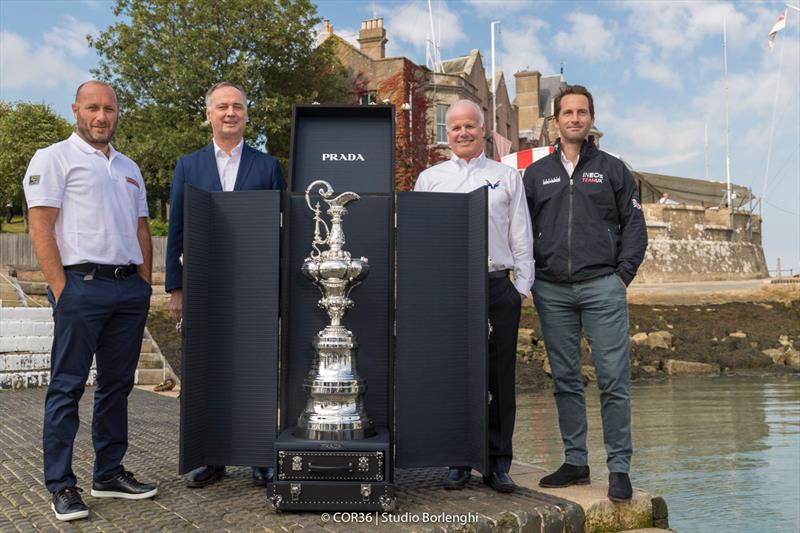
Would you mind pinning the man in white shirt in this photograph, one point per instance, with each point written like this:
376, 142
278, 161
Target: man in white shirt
226, 164
510, 250
88, 225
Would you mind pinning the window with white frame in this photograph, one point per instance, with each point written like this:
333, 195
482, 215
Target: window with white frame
441, 123
369, 97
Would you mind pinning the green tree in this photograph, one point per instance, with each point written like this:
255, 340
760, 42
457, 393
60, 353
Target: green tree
24, 128
164, 54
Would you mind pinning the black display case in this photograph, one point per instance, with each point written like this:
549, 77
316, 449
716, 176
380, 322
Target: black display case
420, 317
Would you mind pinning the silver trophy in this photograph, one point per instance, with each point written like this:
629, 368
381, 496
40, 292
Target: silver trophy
335, 404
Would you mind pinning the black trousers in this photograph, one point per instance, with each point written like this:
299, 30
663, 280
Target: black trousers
504, 312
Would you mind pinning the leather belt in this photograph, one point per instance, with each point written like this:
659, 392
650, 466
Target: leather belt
103, 271
499, 274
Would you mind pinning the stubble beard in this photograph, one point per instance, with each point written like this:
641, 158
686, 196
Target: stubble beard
85, 131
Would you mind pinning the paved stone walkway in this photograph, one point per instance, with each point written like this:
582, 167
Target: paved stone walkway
232, 504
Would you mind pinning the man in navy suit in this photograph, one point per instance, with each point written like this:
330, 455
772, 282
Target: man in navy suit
227, 164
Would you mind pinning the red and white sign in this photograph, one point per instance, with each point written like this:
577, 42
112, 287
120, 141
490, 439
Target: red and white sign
522, 159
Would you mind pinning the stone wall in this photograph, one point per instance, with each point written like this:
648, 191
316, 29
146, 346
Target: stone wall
26, 336
693, 243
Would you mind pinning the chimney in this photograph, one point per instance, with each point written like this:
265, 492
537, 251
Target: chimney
527, 101
372, 38
327, 31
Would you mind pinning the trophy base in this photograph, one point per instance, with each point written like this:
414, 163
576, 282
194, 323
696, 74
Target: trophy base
322, 433
318, 475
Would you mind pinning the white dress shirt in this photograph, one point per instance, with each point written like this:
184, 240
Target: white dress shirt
100, 200
510, 235
567, 164
228, 165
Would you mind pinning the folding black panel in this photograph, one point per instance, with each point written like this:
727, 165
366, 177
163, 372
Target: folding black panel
441, 386
195, 379
351, 147
368, 229
231, 276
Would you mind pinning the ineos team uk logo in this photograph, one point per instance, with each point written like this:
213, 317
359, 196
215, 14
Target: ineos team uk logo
342, 157
592, 177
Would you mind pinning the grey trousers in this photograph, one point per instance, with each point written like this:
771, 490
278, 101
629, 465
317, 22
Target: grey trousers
598, 307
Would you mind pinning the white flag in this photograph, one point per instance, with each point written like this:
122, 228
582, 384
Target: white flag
776, 28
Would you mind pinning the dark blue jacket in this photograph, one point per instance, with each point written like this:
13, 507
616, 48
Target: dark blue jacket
586, 226
257, 171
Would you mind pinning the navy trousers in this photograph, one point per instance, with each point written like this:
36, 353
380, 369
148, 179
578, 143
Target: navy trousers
106, 318
504, 310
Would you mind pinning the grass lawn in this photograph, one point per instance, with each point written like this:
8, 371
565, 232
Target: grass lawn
17, 225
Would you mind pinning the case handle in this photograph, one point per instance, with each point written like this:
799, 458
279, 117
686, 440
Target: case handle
347, 467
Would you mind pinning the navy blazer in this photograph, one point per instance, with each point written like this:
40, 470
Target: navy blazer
257, 171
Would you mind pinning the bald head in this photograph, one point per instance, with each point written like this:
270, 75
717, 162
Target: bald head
95, 111
92, 84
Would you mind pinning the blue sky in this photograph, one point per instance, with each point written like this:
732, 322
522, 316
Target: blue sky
655, 68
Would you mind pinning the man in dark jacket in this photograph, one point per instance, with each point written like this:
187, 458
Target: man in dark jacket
589, 240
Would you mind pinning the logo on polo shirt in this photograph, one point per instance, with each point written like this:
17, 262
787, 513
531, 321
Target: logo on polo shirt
492, 186
132, 181
342, 157
554, 179
636, 204
34, 180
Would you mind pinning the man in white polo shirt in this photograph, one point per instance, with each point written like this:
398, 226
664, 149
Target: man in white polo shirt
88, 225
510, 250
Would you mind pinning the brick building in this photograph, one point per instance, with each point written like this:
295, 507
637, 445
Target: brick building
378, 79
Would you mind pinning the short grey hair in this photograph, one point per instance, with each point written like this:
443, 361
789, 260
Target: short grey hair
464, 103
221, 85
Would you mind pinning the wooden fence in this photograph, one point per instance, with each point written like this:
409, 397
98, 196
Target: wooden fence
16, 250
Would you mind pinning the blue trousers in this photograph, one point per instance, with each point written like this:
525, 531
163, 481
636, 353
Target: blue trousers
599, 307
106, 318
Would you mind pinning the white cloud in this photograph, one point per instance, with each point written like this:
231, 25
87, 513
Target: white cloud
670, 138
23, 66
522, 48
679, 27
348, 34
497, 9
49, 64
650, 139
649, 68
409, 23
588, 37
71, 37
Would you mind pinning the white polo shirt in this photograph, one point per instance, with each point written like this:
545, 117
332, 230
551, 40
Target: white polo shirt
510, 234
100, 199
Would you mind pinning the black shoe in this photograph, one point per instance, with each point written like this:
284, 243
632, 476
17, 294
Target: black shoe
619, 487
123, 485
565, 476
262, 475
501, 482
457, 478
204, 475
68, 504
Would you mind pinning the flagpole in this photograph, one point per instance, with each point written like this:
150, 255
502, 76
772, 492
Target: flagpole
774, 112
706, 145
727, 120
494, 84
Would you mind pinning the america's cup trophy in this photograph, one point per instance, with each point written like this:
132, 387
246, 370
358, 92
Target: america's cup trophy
335, 392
